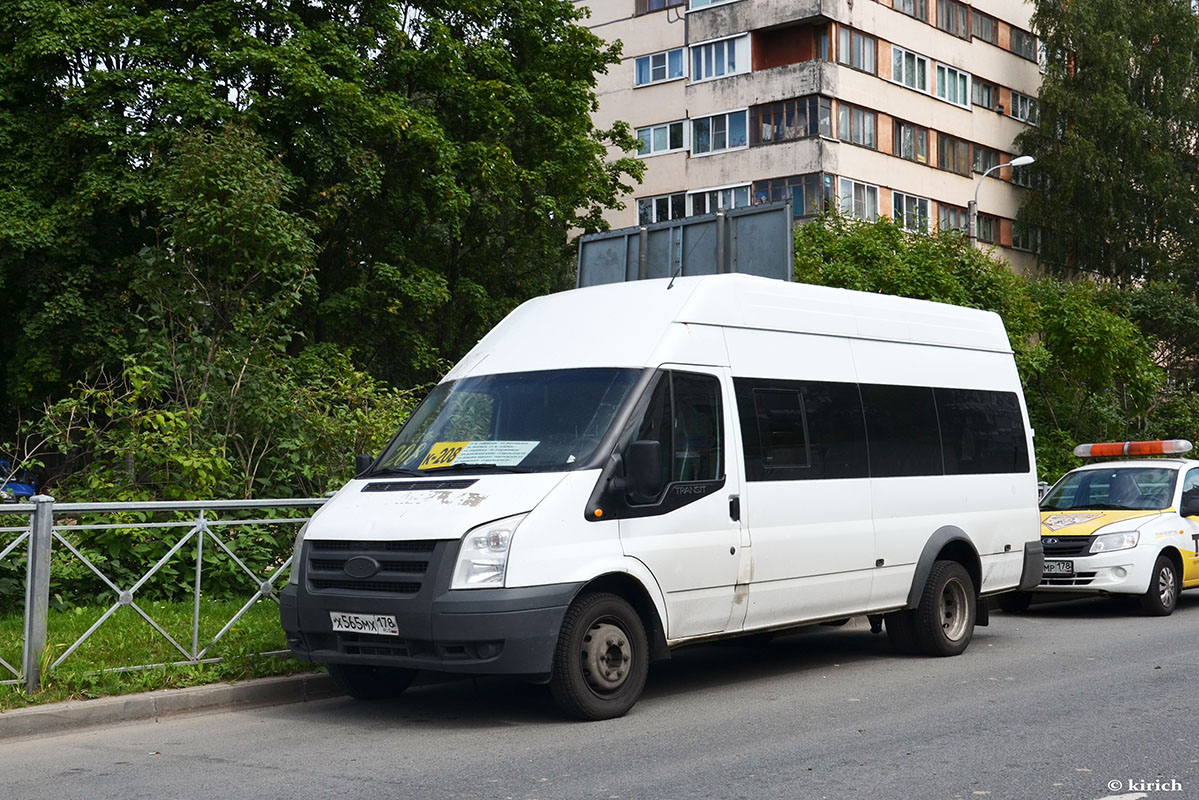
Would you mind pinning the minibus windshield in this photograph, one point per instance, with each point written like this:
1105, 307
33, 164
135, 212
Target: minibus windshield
1119, 488
545, 421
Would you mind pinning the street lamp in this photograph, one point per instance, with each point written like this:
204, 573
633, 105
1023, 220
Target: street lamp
1019, 161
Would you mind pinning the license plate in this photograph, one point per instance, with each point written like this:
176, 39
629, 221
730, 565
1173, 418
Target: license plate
1059, 568
378, 624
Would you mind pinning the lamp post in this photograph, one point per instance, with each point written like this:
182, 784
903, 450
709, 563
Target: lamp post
1019, 161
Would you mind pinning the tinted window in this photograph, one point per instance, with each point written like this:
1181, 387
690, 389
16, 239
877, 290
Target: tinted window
797, 430
902, 430
684, 415
981, 431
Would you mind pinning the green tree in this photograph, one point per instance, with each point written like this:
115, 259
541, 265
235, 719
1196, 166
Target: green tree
439, 151
1116, 140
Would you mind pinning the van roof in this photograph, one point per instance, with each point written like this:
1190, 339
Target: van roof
624, 324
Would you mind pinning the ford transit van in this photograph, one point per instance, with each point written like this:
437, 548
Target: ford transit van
616, 471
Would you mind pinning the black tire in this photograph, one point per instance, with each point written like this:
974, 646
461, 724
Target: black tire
370, 683
601, 660
1014, 602
1164, 586
945, 616
901, 631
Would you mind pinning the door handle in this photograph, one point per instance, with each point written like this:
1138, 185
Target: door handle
735, 507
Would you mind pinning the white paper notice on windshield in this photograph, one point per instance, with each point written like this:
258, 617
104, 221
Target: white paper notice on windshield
500, 453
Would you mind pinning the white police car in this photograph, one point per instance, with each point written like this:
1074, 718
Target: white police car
1128, 527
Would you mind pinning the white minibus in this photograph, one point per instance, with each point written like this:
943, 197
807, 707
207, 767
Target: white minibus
620, 470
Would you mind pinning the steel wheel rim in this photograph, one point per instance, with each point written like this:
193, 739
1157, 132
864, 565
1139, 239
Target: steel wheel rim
954, 610
607, 656
1165, 586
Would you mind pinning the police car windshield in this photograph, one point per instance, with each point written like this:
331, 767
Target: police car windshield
544, 421
1121, 489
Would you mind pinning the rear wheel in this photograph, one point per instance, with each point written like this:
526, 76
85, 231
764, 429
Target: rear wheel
602, 658
364, 682
944, 619
1162, 596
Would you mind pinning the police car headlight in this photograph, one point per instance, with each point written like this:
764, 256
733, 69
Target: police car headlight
483, 557
1107, 542
294, 576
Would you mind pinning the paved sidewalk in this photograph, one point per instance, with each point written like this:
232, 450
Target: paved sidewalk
54, 717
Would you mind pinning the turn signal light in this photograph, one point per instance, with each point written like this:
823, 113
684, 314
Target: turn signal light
1159, 447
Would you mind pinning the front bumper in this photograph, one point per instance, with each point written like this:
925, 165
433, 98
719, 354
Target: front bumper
1119, 572
472, 631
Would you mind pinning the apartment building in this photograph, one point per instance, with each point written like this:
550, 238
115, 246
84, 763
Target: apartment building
877, 107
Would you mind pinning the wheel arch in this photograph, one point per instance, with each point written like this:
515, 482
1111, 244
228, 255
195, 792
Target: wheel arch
633, 591
949, 543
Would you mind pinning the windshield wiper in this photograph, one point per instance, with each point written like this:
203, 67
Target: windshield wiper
1099, 507
411, 473
471, 467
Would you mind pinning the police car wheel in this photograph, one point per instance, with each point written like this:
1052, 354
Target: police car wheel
364, 682
1162, 596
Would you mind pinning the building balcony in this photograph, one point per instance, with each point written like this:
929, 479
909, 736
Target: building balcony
752, 15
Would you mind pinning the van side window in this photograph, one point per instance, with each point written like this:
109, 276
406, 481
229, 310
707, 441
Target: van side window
686, 416
777, 416
981, 432
901, 426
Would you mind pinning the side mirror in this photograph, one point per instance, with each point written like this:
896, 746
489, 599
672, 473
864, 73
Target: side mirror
1190, 507
362, 462
643, 467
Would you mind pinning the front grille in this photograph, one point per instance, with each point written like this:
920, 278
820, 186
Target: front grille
1066, 546
1078, 579
326, 566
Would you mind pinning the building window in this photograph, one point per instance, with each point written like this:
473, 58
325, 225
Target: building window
954, 17
705, 3
858, 50
953, 154
911, 142
909, 68
984, 94
856, 125
954, 218
913, 8
646, 6
1024, 44
718, 133
790, 119
658, 139
823, 43
662, 208
910, 212
1026, 237
953, 85
988, 228
665, 66
1024, 108
984, 27
1027, 176
810, 194
710, 201
985, 158
719, 59
858, 199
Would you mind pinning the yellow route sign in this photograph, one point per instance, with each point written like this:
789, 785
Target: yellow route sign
442, 454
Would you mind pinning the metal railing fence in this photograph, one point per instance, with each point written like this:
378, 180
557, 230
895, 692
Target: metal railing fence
48, 522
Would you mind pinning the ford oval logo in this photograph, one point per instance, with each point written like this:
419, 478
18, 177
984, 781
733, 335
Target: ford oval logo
1051, 540
361, 567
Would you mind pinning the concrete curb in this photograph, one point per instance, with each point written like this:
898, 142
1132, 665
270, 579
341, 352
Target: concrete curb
55, 717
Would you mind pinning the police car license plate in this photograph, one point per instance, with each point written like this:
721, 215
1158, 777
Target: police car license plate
1059, 568
378, 624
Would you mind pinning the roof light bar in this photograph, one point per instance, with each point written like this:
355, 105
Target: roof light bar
1158, 447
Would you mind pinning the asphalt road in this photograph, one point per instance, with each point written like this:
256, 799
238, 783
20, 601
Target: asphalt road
1077, 700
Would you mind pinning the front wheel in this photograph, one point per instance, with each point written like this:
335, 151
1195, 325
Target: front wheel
601, 660
944, 622
1162, 596
371, 683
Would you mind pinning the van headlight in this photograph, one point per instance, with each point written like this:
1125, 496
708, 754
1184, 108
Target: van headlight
483, 557
1107, 542
293, 577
